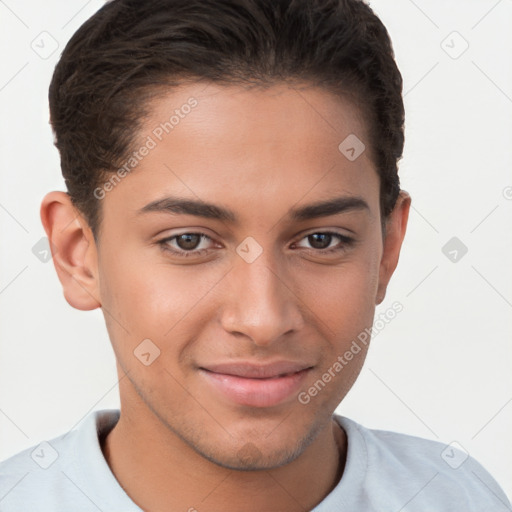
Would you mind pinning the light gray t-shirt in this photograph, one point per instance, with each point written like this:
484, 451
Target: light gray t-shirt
384, 472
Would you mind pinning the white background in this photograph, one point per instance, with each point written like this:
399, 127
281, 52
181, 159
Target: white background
441, 369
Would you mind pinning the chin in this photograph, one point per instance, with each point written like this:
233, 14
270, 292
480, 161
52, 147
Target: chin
255, 453
251, 458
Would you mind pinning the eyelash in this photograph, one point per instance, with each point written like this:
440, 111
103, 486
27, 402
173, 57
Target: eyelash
345, 242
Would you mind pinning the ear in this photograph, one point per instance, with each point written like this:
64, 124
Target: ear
395, 227
73, 250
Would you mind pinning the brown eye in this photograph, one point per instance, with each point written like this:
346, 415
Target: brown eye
320, 240
188, 241
187, 244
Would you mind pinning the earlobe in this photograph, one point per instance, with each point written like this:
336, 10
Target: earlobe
73, 250
396, 226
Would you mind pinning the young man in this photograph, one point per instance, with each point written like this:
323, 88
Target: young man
234, 208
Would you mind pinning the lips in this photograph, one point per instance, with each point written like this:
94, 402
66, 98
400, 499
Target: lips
256, 385
252, 371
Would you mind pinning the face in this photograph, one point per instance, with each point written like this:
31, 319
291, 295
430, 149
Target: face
236, 263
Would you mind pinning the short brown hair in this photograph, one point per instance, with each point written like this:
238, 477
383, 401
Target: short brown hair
119, 57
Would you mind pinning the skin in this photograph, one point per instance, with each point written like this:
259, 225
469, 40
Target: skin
179, 444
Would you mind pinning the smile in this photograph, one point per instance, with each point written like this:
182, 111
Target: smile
256, 386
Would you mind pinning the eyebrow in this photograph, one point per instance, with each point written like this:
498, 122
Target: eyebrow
200, 208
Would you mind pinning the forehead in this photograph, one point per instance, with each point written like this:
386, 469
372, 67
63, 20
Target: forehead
276, 145
300, 115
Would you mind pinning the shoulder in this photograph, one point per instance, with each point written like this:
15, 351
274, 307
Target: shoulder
440, 476
52, 470
25, 476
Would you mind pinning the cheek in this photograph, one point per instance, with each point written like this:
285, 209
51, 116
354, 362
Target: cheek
343, 297
343, 305
143, 298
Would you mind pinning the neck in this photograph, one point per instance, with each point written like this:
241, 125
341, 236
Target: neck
158, 470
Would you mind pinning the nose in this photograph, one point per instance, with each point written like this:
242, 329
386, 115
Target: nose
260, 302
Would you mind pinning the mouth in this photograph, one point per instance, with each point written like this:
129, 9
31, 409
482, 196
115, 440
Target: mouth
256, 385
